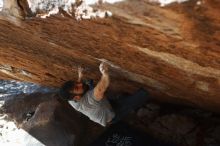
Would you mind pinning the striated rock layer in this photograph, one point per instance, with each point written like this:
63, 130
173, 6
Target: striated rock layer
172, 51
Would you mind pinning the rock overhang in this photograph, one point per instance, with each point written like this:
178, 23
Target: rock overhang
170, 51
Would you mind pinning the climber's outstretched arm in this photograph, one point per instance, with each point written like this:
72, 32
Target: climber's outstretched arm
80, 74
103, 84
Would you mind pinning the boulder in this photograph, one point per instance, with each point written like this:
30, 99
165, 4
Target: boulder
50, 120
172, 51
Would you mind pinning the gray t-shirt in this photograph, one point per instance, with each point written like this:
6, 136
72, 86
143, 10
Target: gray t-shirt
98, 111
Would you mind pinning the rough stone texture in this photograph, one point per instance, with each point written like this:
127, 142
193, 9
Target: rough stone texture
172, 51
182, 126
56, 123
52, 122
149, 112
173, 127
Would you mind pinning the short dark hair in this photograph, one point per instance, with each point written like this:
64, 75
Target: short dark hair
64, 92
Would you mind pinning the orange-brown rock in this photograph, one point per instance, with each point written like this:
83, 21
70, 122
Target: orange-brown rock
172, 51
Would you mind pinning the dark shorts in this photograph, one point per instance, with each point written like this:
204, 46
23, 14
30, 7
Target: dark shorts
125, 104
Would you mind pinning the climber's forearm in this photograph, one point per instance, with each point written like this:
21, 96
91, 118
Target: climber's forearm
104, 82
80, 78
101, 87
80, 74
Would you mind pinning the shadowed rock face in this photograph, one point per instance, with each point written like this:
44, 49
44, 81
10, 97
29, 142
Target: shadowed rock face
54, 122
172, 51
50, 120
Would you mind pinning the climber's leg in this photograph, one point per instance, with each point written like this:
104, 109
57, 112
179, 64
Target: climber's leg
129, 103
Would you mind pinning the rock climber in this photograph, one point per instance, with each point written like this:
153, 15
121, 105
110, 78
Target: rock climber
90, 100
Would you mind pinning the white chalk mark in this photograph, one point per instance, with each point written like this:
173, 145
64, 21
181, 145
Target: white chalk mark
202, 86
137, 77
167, 2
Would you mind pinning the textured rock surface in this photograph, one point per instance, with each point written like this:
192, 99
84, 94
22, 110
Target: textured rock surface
172, 51
50, 121
180, 125
54, 122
